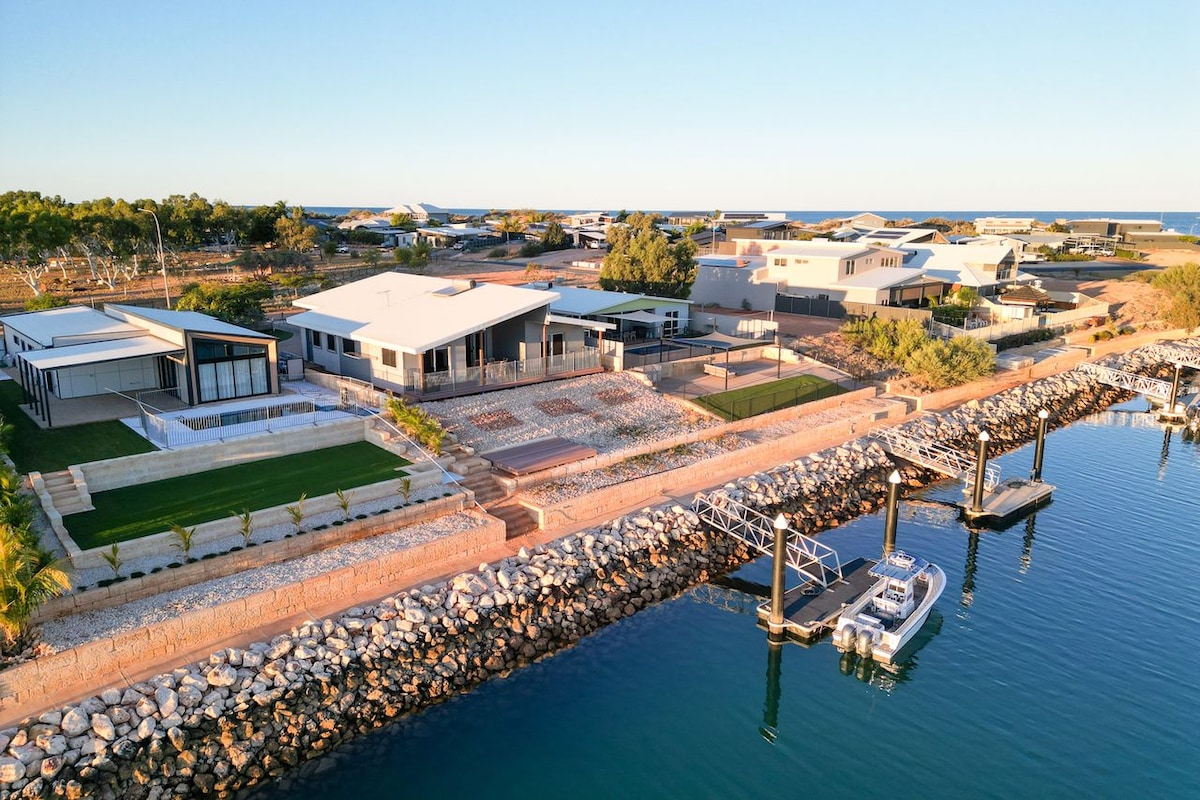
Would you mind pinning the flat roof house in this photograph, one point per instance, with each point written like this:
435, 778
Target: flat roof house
438, 337
628, 315
77, 352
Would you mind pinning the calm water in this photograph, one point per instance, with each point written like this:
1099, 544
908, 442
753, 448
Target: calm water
1060, 661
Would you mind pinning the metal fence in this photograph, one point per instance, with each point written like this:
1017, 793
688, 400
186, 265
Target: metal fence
503, 372
179, 431
732, 408
1011, 327
842, 309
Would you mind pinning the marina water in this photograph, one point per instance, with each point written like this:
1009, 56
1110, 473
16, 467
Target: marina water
1059, 662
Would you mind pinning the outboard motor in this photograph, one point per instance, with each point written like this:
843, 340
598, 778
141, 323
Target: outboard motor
866, 643
843, 638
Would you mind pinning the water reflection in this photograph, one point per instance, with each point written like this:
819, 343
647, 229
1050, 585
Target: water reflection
1027, 545
769, 730
1166, 451
968, 585
887, 677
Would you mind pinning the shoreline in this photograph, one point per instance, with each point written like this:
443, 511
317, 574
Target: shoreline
863, 466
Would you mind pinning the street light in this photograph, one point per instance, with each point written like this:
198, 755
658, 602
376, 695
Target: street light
162, 264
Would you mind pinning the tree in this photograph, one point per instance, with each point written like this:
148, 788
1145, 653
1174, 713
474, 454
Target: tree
404, 222
32, 227
510, 225
294, 233
1182, 286
29, 576
42, 302
240, 304
555, 238
641, 260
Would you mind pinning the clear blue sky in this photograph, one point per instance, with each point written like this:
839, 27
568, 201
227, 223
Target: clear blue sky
784, 105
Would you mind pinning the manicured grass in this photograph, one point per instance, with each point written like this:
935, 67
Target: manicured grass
281, 335
53, 449
135, 511
761, 398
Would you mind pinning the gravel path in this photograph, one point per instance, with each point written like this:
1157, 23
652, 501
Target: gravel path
607, 411
74, 630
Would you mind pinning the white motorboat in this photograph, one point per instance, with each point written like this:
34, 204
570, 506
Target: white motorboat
882, 620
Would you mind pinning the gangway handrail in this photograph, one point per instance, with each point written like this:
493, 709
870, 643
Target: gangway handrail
1130, 381
815, 561
1175, 353
935, 456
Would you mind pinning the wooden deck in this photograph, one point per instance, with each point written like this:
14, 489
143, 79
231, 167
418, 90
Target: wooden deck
807, 613
524, 459
1008, 500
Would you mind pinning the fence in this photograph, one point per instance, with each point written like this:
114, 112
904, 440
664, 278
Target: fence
1055, 319
179, 431
350, 390
503, 372
841, 309
732, 407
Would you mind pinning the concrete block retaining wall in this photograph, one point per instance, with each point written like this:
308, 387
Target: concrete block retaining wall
116, 473
129, 651
265, 553
205, 532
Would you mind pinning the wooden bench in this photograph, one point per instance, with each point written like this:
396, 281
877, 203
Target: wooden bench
719, 371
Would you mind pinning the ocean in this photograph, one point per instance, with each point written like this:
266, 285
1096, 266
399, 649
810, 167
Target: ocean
1057, 663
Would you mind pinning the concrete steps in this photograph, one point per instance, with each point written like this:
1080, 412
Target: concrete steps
64, 494
491, 494
517, 519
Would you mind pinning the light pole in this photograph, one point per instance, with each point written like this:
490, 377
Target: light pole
162, 264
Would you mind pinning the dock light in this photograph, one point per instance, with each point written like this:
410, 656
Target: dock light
778, 563
893, 504
980, 471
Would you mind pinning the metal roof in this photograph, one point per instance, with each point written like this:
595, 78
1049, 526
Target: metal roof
98, 352
192, 321
68, 322
900, 566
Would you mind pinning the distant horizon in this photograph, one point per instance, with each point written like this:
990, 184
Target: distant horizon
775, 105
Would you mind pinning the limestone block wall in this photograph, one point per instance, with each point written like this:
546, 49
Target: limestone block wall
116, 473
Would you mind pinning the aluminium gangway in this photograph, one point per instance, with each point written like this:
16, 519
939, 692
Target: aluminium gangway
1175, 354
816, 562
1129, 381
935, 456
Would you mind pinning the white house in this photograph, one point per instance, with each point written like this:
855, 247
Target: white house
1004, 225
427, 335
626, 314
420, 213
77, 352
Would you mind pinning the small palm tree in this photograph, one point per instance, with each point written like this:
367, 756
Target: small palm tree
297, 511
247, 525
29, 576
114, 560
405, 487
183, 540
344, 502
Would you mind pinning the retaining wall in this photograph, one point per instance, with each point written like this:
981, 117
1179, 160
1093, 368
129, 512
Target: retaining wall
129, 652
201, 570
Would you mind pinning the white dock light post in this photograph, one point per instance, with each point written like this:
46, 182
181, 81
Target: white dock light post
778, 563
980, 471
893, 504
162, 264
1040, 449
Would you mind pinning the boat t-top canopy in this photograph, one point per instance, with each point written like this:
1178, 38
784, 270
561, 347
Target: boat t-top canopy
900, 566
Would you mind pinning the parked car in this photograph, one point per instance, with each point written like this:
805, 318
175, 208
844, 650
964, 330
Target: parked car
341, 248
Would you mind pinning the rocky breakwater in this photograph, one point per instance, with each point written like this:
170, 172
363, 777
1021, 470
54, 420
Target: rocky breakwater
249, 714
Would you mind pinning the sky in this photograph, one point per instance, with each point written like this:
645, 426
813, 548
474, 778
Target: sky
798, 105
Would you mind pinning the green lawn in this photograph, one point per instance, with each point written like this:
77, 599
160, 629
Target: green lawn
134, 511
281, 335
761, 398
49, 450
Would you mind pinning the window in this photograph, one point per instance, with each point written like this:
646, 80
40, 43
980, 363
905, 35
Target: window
315, 338
230, 369
436, 360
349, 346
849, 267
389, 358
330, 342
671, 326
780, 262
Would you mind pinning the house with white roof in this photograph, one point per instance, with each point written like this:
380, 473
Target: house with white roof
1004, 225
899, 237
420, 213
984, 268
627, 316
78, 352
434, 336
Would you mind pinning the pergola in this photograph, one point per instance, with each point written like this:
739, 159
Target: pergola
719, 341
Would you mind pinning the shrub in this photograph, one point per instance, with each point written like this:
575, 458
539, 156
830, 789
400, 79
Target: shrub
531, 249
498, 252
296, 512
114, 560
418, 424
183, 539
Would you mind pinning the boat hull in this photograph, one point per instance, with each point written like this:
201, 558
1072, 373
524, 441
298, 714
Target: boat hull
888, 644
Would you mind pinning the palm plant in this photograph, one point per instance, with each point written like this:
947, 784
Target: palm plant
297, 511
344, 502
405, 487
29, 576
114, 560
183, 540
247, 525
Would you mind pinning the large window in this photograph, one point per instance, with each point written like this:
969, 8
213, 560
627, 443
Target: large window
389, 357
230, 369
436, 360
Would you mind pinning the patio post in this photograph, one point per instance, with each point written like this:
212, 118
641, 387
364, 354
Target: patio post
727, 369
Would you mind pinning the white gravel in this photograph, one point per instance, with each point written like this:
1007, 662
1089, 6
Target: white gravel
643, 415
80, 628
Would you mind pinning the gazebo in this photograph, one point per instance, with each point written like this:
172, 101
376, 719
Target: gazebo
719, 341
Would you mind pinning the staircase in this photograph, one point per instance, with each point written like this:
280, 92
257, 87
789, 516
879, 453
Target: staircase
64, 494
490, 494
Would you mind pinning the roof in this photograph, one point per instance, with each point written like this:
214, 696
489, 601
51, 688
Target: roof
1025, 294
955, 263
645, 317
578, 300
192, 321
811, 249
719, 341
882, 277
44, 327
414, 209
899, 566
414, 313
98, 352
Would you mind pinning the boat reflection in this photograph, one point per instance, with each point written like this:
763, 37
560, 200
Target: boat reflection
887, 677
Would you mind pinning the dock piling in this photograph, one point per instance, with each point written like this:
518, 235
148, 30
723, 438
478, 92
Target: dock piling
1040, 449
778, 565
893, 503
980, 472
1174, 388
